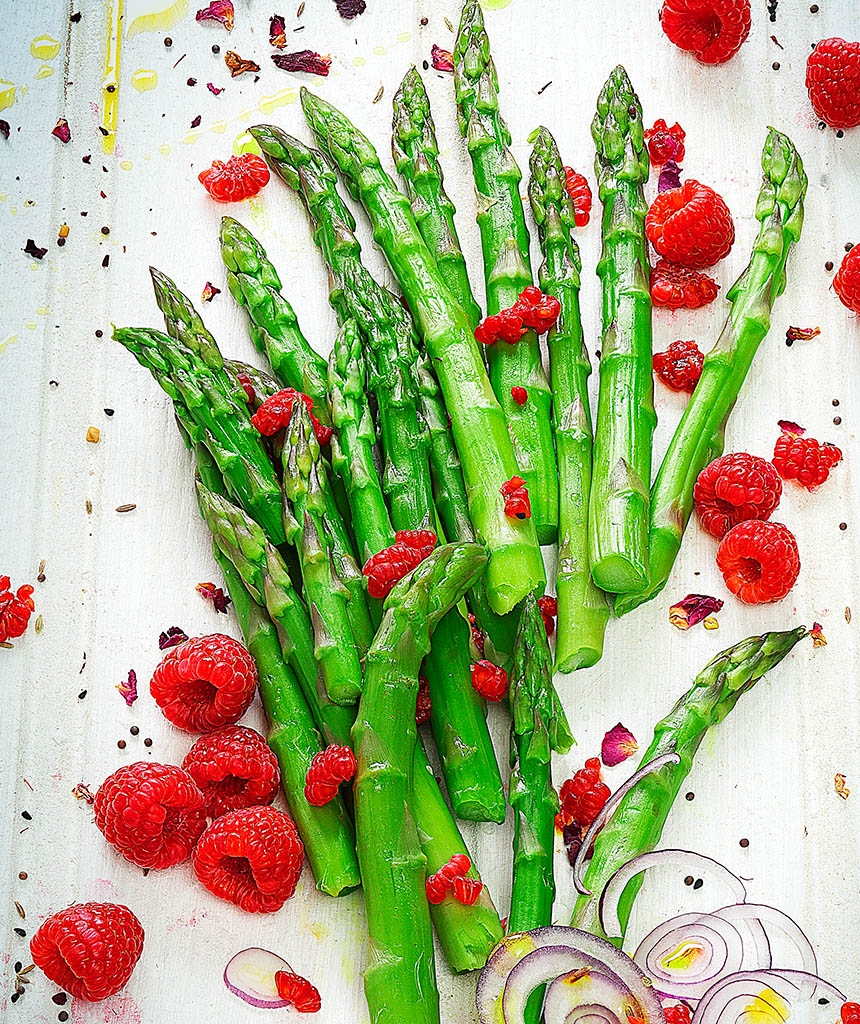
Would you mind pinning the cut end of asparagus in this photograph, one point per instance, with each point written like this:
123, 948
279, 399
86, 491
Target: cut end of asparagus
616, 574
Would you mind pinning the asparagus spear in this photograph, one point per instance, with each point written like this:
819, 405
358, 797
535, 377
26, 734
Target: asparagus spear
700, 436
515, 567
582, 609
638, 821
416, 156
618, 509
264, 384
507, 269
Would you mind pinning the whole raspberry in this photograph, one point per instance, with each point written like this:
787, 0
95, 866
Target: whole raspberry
690, 225
665, 143
490, 681
205, 683
677, 287
549, 610
583, 796
88, 949
233, 767
713, 30
241, 177
733, 489
680, 366
846, 284
151, 813
298, 992
328, 769
519, 394
850, 1013
252, 858
275, 411
15, 609
759, 561
804, 459
833, 82
580, 193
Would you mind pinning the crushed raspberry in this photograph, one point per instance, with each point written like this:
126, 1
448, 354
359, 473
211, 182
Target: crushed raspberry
833, 82
583, 796
665, 143
519, 395
467, 890
516, 495
680, 366
549, 610
733, 489
328, 769
532, 310
690, 225
275, 412
15, 609
252, 857
477, 634
205, 683
850, 1013
298, 992
390, 565
233, 767
151, 813
759, 561
88, 949
240, 178
804, 459
504, 326
247, 387
438, 885
423, 702
580, 193
677, 287
490, 681
678, 1014
712, 30
846, 284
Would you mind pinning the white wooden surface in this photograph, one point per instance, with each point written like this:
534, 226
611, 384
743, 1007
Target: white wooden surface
114, 581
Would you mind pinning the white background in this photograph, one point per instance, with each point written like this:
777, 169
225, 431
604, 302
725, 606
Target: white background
113, 581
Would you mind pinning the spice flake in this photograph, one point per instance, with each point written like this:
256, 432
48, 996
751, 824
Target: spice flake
802, 333
214, 89
216, 595
93, 435
4, 129
692, 609
209, 292
303, 60
61, 130
349, 9
172, 637
670, 177
238, 65
840, 787
442, 60
82, 792
128, 689
818, 637
31, 249
618, 744
789, 427
218, 10
277, 31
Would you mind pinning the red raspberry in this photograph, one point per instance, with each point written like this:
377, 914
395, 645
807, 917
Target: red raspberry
676, 287
15, 609
275, 412
423, 702
805, 460
240, 178
537, 310
298, 992
733, 489
438, 885
516, 495
519, 395
247, 387
390, 565
490, 681
846, 284
580, 193
583, 796
88, 949
505, 326
205, 683
549, 610
467, 890
151, 813
679, 1014
850, 1013
759, 561
665, 143
713, 30
690, 225
833, 82
422, 541
680, 366
233, 767
252, 858
328, 769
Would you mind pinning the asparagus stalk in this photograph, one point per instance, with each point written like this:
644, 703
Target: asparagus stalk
582, 609
700, 436
416, 156
618, 509
507, 269
637, 824
264, 384
515, 567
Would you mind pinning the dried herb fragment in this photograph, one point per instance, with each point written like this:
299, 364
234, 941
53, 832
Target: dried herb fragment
303, 60
277, 31
62, 131
128, 689
214, 594
209, 292
442, 60
4, 129
692, 609
788, 427
31, 249
238, 65
840, 787
82, 792
218, 10
173, 637
618, 744
817, 634
802, 333
196, 122
214, 89
349, 9
670, 177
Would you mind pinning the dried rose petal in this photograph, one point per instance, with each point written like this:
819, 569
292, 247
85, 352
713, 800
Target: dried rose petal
692, 609
216, 595
238, 65
350, 9
218, 10
303, 60
277, 31
618, 744
818, 637
172, 638
840, 787
4, 129
31, 249
129, 688
214, 89
196, 122
787, 427
62, 130
442, 60
209, 292
670, 177
82, 792
802, 333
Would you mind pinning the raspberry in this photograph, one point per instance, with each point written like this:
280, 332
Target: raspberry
833, 82
233, 767
665, 143
549, 610
733, 489
850, 1013
298, 992
680, 366
804, 459
759, 561
240, 178
467, 890
205, 683
713, 30
676, 287
519, 395
328, 769
88, 949
438, 885
583, 796
490, 681
423, 702
275, 412
516, 495
846, 284
252, 858
678, 1014
390, 565
15, 609
690, 225
506, 325
247, 387
580, 193
537, 310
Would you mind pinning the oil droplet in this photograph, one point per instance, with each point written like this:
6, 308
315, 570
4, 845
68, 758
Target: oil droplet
153, 15
45, 71
110, 84
189, 138
246, 143
3, 197
164, 149
245, 115
44, 48
7, 341
404, 37
218, 127
7, 95
126, 165
380, 50
144, 79
147, 156
43, 311
31, 324
280, 99
358, 62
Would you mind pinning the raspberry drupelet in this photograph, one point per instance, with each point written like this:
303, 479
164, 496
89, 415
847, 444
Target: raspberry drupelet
583, 796
580, 193
15, 609
733, 489
233, 767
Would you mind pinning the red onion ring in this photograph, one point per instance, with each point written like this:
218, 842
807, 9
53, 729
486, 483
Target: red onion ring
727, 1001
608, 1003
250, 975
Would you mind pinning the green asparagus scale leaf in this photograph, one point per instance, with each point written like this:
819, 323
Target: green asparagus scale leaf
582, 608
264, 384
700, 436
618, 509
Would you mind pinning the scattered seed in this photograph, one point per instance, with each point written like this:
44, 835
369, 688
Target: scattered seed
837, 420
60, 998
543, 88
448, 25
849, 246
108, 412
39, 625
778, 43
690, 796
745, 843
423, 21
216, 48
20, 910
168, 41
847, 613
378, 96
26, 816
301, 9
698, 883
93, 435
22, 875
89, 507
134, 730
121, 744
82, 694
5, 643
18, 966
835, 402
147, 742
20, 932
63, 1015
840, 134
843, 526
106, 261
839, 785
828, 265
99, 334
26, 970
126, 508
813, 9
688, 880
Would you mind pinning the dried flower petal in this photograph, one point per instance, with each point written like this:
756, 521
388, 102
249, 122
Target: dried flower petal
218, 10
303, 60
62, 130
82, 792
350, 9
4, 129
711, 622
214, 594
277, 31
93, 435
36, 251
196, 122
670, 177
787, 427
172, 638
618, 744
840, 787
209, 292
692, 609
214, 89
818, 637
238, 65
802, 333
442, 60
129, 688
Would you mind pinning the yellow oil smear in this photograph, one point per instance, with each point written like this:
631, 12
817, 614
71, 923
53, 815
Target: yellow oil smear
110, 85
404, 37
280, 99
45, 71
43, 311
358, 62
10, 339
164, 149
380, 51
766, 1008
153, 15
7, 95
126, 165
495, 5
44, 48
218, 127
246, 143
144, 79
3, 197
682, 957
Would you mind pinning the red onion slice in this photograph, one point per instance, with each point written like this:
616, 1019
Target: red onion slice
729, 1000
591, 999
652, 766
250, 975
540, 967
